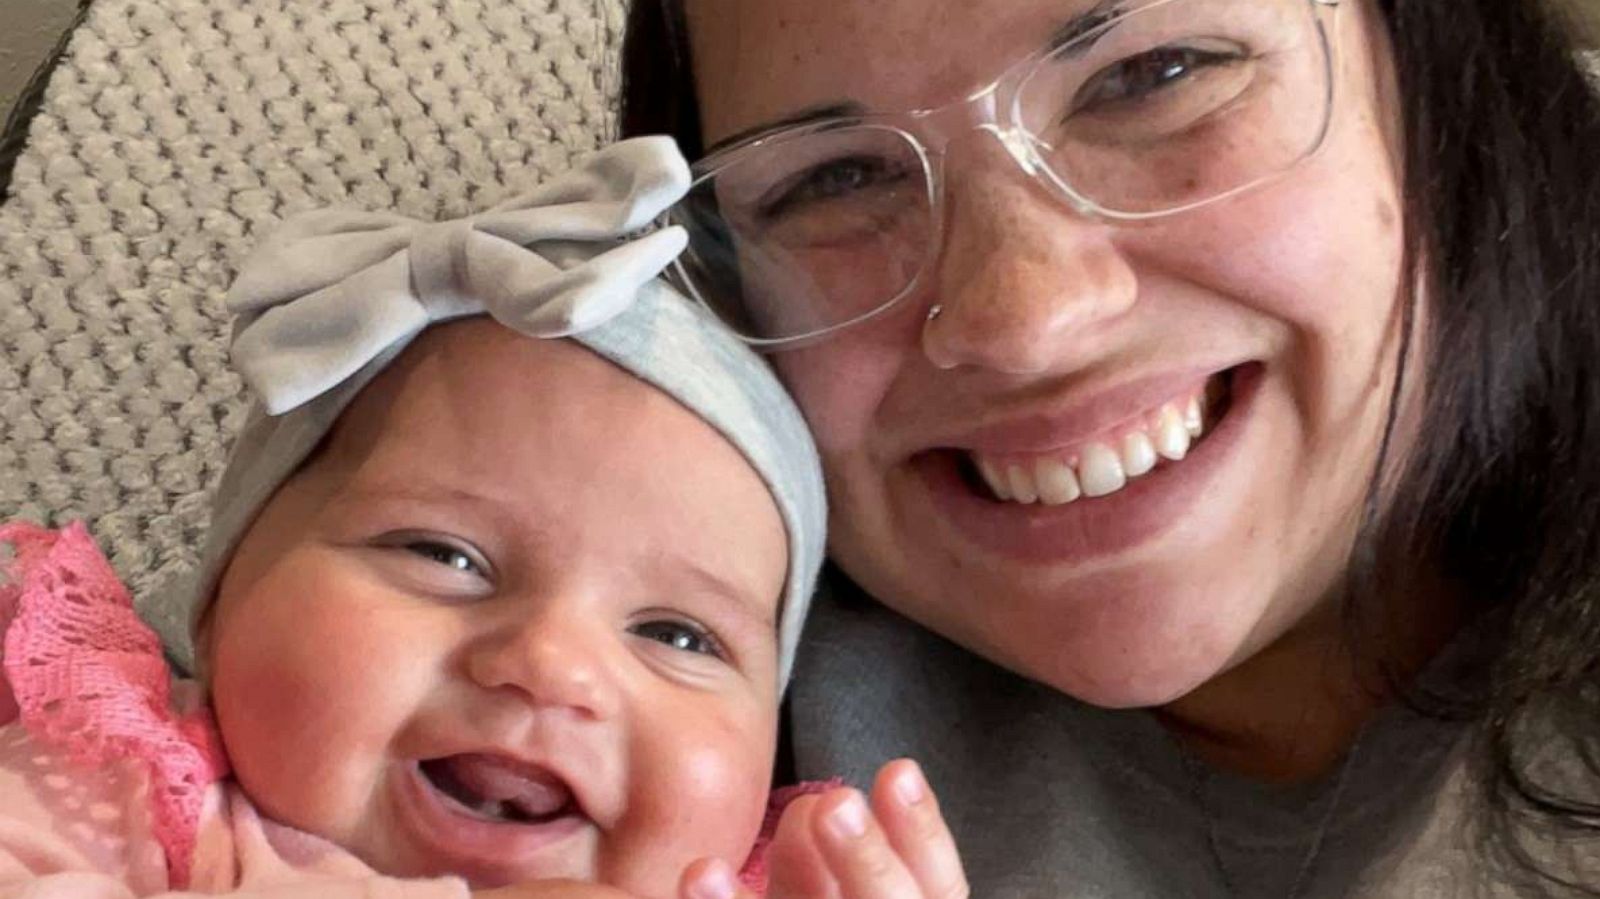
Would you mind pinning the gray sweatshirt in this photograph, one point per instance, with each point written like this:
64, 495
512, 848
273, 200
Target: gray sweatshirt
1052, 798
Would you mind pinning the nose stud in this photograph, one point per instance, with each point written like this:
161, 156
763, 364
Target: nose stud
928, 349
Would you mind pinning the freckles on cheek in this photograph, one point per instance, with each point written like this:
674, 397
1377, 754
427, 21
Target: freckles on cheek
839, 386
826, 404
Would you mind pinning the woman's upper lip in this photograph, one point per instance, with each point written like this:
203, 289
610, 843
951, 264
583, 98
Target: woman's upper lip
1071, 418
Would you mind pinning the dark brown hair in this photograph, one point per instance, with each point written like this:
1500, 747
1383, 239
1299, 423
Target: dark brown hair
1501, 498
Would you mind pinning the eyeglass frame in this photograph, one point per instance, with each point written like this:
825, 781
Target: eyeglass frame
980, 109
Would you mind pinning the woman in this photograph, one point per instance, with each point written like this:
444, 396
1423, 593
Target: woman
1228, 360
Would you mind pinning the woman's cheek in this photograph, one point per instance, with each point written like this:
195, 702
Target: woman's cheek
839, 385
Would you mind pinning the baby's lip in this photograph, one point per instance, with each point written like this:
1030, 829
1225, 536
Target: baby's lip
489, 846
508, 787
584, 762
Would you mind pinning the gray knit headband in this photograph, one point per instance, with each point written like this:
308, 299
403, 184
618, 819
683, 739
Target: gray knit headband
334, 297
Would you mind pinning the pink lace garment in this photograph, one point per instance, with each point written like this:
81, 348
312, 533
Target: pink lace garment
86, 676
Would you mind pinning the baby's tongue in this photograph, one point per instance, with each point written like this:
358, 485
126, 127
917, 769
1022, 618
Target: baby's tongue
534, 791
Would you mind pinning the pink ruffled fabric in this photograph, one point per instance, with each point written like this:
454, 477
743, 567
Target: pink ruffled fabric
86, 675
754, 873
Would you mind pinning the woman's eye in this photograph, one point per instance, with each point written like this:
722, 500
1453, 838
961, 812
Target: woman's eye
449, 556
830, 181
1139, 77
680, 636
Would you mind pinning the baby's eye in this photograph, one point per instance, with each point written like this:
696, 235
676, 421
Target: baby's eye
679, 635
449, 556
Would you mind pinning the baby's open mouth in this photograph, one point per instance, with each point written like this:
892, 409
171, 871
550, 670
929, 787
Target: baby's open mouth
500, 790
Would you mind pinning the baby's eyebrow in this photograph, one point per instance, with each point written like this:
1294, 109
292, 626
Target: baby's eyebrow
420, 492
425, 493
718, 587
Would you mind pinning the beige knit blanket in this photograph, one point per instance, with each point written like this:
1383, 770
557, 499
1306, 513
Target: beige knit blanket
173, 135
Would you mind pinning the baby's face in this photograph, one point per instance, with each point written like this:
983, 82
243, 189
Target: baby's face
516, 621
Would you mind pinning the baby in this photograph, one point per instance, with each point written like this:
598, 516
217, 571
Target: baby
478, 612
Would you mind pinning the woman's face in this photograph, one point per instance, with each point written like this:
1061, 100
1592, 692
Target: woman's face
1058, 338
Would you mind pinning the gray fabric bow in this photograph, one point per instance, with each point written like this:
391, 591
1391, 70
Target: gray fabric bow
333, 290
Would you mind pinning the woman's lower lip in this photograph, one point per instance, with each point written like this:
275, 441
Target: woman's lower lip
1090, 528
487, 853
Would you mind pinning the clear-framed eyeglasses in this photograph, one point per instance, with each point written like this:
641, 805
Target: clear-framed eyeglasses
1135, 110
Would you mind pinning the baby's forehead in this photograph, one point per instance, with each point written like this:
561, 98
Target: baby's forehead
474, 379
552, 443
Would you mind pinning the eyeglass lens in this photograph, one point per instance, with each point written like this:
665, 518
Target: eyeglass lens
1167, 105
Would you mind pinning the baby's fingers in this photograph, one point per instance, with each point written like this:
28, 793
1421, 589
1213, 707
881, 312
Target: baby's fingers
712, 878
909, 814
795, 866
858, 852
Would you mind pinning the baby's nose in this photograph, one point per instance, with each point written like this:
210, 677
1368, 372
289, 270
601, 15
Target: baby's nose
555, 661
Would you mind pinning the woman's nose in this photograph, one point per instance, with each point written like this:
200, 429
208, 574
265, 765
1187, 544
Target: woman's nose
1021, 277
553, 661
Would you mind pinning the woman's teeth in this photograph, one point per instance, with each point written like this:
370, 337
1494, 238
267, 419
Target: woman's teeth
1097, 468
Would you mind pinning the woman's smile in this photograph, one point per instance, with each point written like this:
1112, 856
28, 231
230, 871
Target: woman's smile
1087, 499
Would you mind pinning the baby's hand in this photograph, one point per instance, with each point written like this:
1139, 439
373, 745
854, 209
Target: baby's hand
837, 845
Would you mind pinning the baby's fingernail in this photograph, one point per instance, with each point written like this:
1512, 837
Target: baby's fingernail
716, 882
849, 820
909, 787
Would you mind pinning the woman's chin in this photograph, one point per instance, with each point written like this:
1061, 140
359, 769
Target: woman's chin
1116, 684
1138, 651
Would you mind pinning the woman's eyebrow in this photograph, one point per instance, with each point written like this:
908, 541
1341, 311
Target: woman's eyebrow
1074, 28
1085, 22
841, 110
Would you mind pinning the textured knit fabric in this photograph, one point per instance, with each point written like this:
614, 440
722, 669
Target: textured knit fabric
1049, 797
173, 136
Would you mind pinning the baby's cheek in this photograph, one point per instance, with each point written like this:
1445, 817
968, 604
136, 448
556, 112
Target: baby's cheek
703, 795
722, 792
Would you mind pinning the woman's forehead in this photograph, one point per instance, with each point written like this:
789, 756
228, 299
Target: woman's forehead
756, 62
